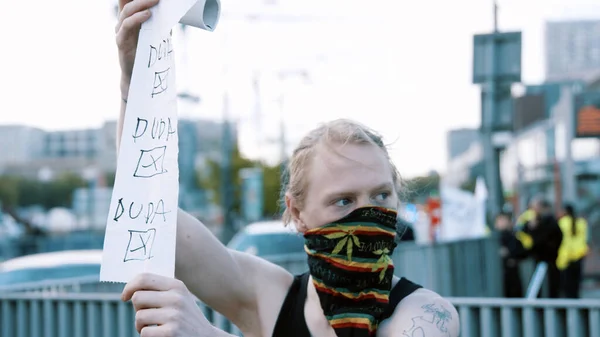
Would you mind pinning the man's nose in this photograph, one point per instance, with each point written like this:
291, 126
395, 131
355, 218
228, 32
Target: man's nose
364, 201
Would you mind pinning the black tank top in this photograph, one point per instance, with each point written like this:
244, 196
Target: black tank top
291, 321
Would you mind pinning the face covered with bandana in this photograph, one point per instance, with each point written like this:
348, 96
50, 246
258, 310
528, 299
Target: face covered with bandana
350, 264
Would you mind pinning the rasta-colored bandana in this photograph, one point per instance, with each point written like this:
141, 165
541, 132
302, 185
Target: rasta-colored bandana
351, 268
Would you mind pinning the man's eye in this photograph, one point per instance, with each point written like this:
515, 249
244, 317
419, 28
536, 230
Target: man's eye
382, 197
343, 202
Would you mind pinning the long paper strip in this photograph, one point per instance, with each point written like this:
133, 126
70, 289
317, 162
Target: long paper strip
142, 221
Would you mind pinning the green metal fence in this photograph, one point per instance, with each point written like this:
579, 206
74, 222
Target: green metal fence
105, 315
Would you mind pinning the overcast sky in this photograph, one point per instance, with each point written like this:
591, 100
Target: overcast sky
401, 67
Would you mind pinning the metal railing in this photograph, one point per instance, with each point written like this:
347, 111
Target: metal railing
499, 317
105, 315
469, 268
80, 307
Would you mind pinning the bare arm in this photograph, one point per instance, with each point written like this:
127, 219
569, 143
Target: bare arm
204, 264
226, 281
424, 313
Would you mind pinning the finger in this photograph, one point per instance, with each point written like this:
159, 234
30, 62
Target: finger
129, 7
122, 4
132, 22
151, 317
156, 331
133, 7
144, 299
146, 282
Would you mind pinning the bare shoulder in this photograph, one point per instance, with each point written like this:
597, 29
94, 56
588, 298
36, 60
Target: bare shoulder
270, 286
423, 313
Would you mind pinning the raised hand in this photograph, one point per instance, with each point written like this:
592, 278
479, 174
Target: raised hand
132, 13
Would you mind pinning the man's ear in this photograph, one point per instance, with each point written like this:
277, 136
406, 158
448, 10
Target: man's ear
292, 206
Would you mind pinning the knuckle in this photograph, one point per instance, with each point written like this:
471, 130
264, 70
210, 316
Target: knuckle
170, 330
119, 40
178, 284
127, 9
145, 332
126, 25
143, 277
139, 319
136, 298
174, 316
177, 300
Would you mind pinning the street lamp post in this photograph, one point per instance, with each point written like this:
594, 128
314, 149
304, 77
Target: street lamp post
496, 65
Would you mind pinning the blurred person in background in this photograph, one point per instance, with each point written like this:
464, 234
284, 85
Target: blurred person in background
511, 251
542, 237
572, 251
342, 192
529, 213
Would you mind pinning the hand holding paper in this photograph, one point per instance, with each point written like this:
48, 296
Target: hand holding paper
131, 16
165, 307
203, 14
142, 220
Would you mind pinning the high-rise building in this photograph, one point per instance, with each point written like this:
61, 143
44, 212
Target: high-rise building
572, 50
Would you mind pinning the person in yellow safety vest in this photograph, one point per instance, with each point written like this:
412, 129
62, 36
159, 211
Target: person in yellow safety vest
525, 217
573, 249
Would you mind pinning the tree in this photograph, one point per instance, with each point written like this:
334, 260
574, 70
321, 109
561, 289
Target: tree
469, 185
109, 179
60, 193
211, 181
22, 192
9, 191
419, 188
272, 187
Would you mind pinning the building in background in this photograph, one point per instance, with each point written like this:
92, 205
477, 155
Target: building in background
91, 207
572, 50
536, 160
20, 145
465, 156
460, 140
83, 143
465, 167
91, 153
29, 151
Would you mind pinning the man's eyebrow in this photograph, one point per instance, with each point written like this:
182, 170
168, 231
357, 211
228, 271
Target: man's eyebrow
339, 193
384, 186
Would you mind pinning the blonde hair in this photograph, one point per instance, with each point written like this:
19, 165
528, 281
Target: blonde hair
340, 131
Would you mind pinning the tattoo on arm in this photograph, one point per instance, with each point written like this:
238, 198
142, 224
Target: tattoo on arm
433, 316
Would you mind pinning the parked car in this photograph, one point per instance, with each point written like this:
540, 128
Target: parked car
268, 238
50, 266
